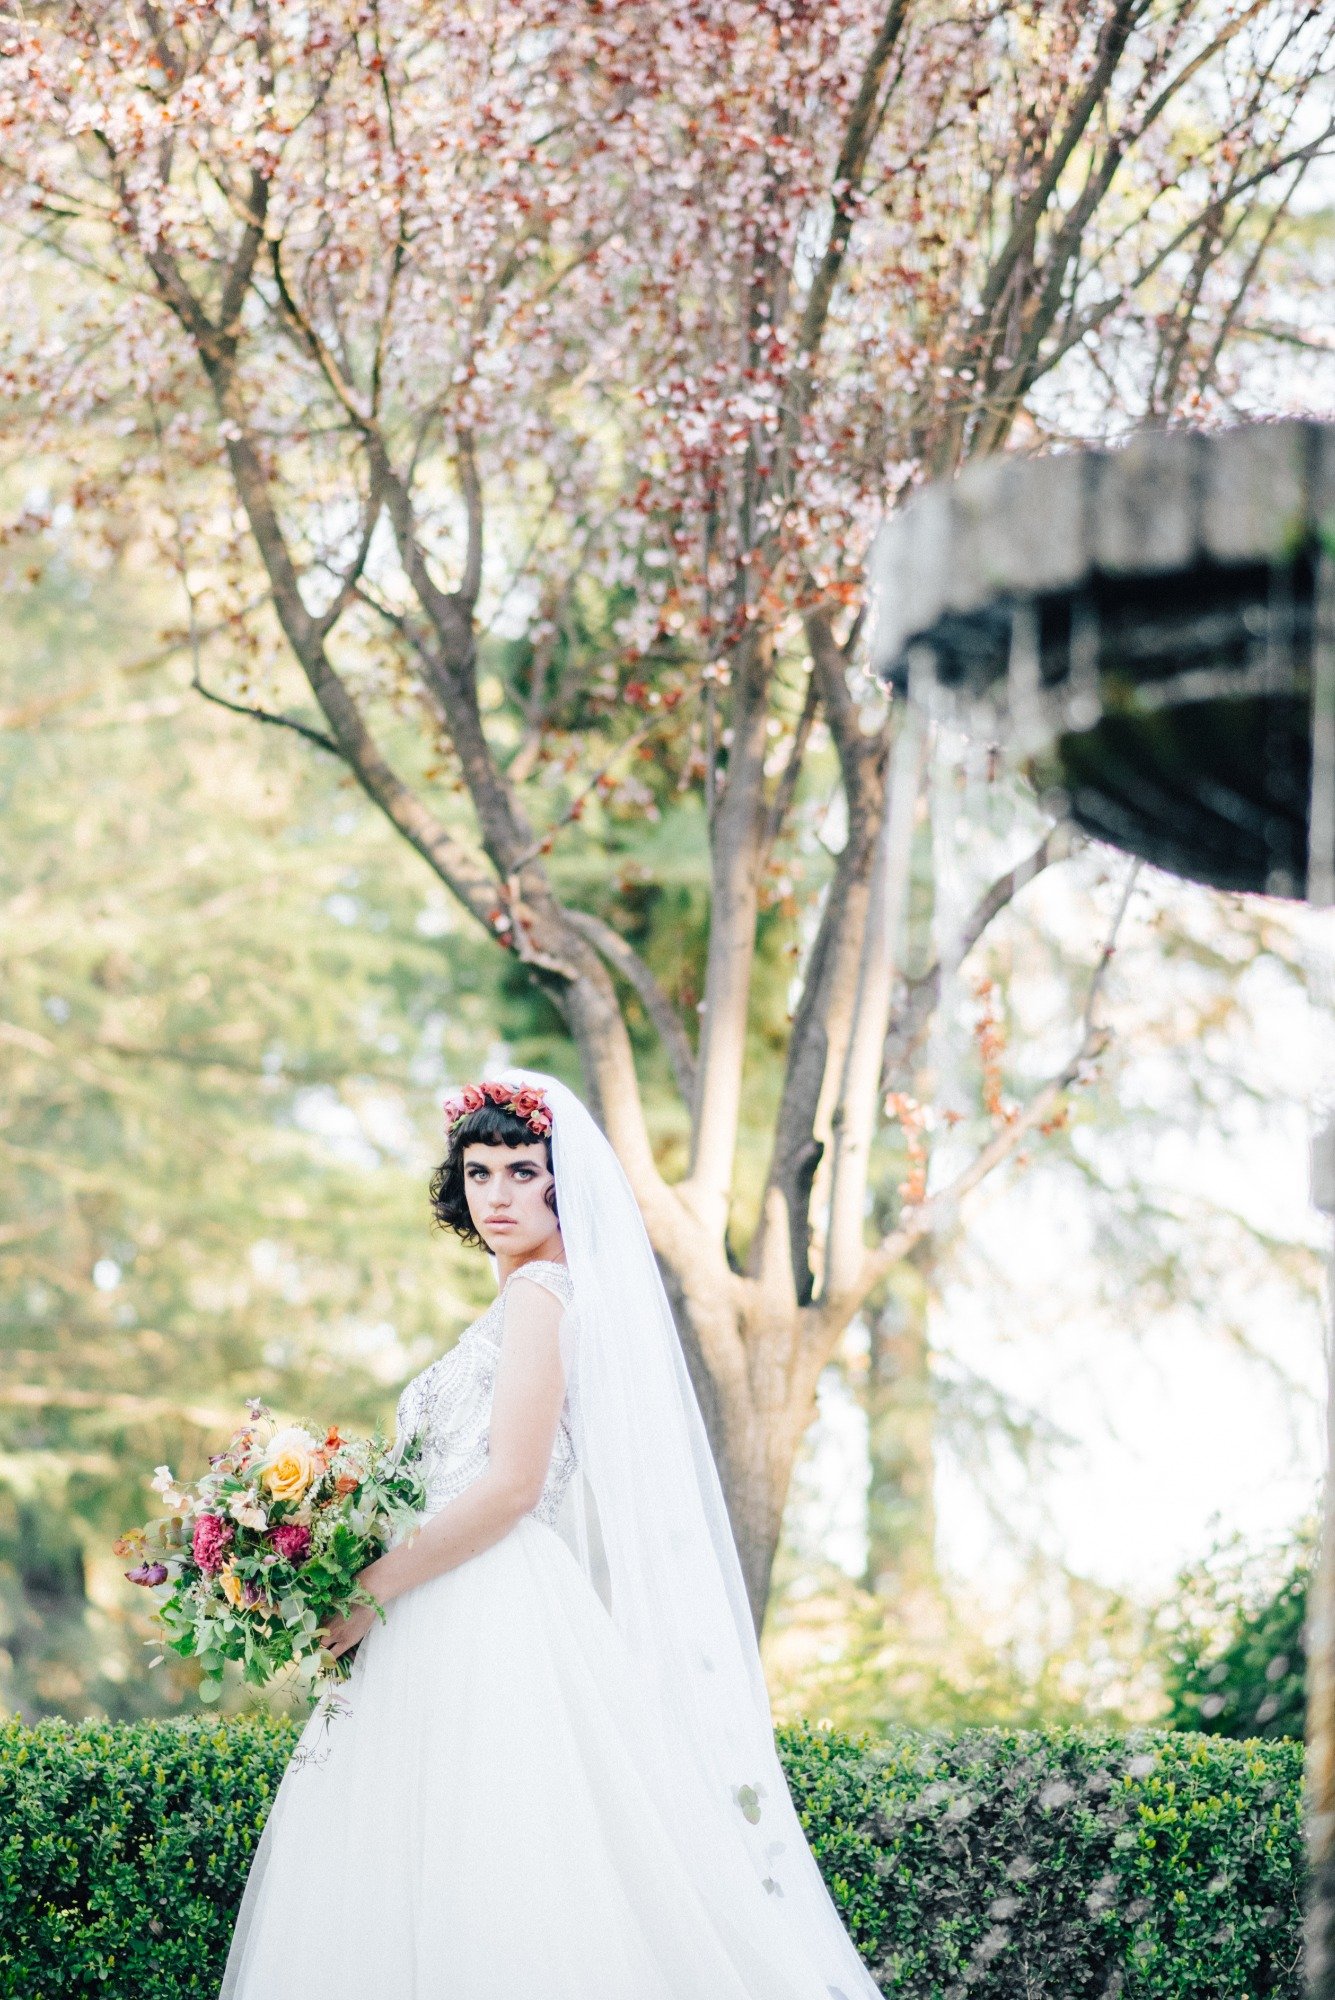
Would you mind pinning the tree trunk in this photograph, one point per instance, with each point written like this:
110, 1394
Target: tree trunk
754, 1411
756, 1472
1321, 1661
901, 1426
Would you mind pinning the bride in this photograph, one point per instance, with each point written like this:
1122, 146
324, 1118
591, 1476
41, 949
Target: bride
552, 1772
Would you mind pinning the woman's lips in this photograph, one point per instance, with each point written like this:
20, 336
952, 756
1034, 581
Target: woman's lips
500, 1222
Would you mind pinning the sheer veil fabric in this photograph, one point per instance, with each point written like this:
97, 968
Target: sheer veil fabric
672, 1579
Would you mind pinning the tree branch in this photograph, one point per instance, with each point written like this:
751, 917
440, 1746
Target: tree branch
860, 134
786, 790
1024, 228
315, 736
350, 579
734, 890
1092, 319
623, 958
854, 1117
922, 995
818, 1039
1094, 1039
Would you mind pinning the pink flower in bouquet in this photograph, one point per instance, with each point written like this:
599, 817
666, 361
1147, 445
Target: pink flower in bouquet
292, 1541
211, 1541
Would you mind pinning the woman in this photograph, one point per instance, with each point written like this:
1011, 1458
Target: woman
552, 1775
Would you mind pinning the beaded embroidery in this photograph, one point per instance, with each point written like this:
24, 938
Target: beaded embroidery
449, 1405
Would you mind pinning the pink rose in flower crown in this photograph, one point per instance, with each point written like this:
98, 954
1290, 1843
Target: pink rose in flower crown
530, 1105
526, 1103
292, 1541
211, 1540
460, 1103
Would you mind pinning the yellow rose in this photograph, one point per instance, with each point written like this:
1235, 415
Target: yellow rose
289, 1464
231, 1585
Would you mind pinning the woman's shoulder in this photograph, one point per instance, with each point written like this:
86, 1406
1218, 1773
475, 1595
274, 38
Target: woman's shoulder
554, 1278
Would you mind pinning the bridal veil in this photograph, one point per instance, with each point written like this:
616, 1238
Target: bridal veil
673, 1582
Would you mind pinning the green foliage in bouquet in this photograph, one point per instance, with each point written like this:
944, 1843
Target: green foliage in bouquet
1022, 1866
252, 1562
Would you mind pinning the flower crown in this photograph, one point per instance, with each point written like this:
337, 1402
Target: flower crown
522, 1099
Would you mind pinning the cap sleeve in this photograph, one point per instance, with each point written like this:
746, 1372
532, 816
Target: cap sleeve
553, 1278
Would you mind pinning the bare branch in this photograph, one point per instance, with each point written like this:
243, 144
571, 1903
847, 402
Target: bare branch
1092, 319
1114, 38
818, 1038
860, 134
624, 958
858, 753
785, 792
542, 845
734, 888
315, 736
922, 1219
922, 995
853, 1119
1110, 946
471, 581
352, 575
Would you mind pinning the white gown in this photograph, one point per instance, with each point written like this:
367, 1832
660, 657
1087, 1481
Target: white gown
484, 1818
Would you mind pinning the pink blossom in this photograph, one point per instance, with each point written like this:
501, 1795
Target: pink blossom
292, 1541
210, 1542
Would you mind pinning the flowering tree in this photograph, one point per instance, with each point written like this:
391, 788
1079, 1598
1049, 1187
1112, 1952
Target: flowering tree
391, 326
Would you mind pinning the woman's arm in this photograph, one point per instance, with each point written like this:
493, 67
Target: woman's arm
525, 1410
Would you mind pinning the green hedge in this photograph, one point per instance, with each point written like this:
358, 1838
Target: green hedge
1035, 1867
1062, 1865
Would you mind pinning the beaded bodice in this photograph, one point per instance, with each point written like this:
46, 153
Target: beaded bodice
448, 1406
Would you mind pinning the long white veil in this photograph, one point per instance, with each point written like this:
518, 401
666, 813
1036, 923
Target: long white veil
673, 1580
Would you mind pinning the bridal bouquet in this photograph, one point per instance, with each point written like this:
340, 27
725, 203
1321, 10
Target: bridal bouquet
254, 1559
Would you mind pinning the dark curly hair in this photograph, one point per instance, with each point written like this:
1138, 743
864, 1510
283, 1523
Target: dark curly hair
492, 1125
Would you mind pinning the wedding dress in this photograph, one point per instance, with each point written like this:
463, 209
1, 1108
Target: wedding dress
502, 1804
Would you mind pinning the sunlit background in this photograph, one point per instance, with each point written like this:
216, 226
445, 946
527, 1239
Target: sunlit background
230, 1003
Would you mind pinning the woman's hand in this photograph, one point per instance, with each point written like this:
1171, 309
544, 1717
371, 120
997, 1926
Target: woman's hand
342, 1634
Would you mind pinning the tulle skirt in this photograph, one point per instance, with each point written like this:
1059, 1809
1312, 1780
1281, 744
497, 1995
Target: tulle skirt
486, 1816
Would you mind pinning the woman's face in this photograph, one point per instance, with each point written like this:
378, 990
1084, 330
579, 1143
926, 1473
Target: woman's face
507, 1189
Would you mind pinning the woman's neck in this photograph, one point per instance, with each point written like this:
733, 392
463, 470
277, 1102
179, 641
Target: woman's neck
550, 1252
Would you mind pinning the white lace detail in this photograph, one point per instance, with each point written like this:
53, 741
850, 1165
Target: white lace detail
449, 1405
